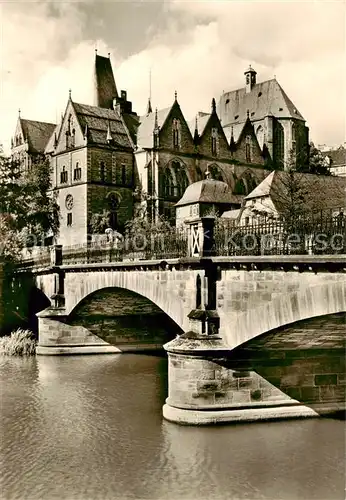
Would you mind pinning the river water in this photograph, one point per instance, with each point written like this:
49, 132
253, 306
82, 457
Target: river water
90, 428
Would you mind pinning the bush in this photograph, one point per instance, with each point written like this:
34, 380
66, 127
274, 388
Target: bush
19, 343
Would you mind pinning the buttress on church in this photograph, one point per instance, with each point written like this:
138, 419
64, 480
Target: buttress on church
106, 159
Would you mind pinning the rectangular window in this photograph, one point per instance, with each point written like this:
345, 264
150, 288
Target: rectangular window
69, 219
123, 174
102, 172
77, 173
63, 176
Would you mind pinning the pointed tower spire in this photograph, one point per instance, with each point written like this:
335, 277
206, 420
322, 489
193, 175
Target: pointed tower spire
156, 123
156, 130
213, 106
149, 108
105, 90
109, 137
196, 134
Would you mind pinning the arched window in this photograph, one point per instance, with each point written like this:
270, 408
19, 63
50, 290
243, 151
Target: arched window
167, 183
113, 203
63, 176
248, 147
176, 133
294, 139
214, 141
260, 136
251, 183
240, 187
182, 180
102, 171
215, 172
279, 145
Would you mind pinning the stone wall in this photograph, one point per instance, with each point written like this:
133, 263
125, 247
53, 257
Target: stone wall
295, 371
253, 302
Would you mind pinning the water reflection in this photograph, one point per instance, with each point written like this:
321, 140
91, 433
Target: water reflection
90, 427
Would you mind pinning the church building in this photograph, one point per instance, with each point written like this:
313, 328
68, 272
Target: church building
279, 126
108, 161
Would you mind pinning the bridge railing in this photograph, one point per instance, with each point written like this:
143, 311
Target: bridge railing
200, 238
166, 245
307, 236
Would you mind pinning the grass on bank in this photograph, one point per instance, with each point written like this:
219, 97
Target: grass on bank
19, 343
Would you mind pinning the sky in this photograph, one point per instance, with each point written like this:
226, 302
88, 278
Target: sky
199, 48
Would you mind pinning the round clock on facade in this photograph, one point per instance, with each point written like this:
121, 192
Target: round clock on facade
69, 202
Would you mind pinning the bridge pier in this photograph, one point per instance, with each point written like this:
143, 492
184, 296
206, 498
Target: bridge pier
206, 385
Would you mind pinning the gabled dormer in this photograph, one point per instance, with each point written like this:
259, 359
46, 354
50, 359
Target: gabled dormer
212, 141
174, 132
70, 135
247, 149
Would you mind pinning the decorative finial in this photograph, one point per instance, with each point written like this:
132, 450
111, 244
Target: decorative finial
213, 106
156, 123
19, 113
175, 95
69, 94
109, 55
207, 174
196, 135
248, 113
109, 137
232, 141
96, 50
274, 77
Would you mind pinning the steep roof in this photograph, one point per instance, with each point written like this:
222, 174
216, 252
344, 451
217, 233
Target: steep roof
98, 120
265, 99
322, 192
207, 191
105, 88
146, 127
37, 134
202, 120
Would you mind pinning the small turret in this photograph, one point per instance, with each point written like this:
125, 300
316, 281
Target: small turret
250, 79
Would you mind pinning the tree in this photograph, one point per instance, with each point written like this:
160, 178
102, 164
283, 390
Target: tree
28, 207
317, 163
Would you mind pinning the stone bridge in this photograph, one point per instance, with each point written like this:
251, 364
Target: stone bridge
208, 309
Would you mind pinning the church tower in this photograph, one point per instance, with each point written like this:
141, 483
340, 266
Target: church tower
104, 84
250, 75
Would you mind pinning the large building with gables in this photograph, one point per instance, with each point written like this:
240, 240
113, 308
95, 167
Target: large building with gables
107, 160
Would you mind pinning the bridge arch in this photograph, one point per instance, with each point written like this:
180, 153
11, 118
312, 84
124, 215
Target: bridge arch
275, 301
170, 291
120, 316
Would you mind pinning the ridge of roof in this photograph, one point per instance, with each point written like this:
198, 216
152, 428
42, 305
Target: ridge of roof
265, 99
36, 133
329, 190
146, 126
207, 191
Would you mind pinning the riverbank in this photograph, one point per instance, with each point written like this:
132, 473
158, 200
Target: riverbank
19, 343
